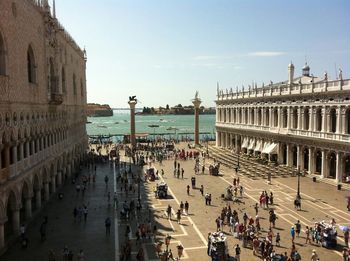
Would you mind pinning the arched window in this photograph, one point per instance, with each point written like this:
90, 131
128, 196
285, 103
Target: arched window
63, 79
319, 119
2, 56
275, 118
31, 65
74, 85
285, 117
333, 121
306, 119
81, 88
295, 118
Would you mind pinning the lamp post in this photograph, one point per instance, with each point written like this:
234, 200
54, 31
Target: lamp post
298, 173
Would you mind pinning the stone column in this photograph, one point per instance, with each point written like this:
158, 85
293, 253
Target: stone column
27, 149
339, 167
53, 184
299, 156
38, 198
21, 150
270, 117
217, 114
292, 119
47, 191
311, 119
343, 120
339, 121
217, 141
288, 118
289, 155
324, 120
59, 178
14, 154
299, 127
280, 118
2, 234
132, 104
311, 160
28, 208
15, 221
196, 103
324, 173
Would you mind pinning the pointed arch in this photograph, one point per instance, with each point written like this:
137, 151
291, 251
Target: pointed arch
2, 56
31, 67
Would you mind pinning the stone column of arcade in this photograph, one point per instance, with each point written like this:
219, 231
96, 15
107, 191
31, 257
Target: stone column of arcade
196, 102
132, 103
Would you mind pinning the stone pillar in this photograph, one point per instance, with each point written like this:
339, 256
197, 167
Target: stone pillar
38, 198
2, 235
339, 167
33, 147
289, 118
15, 221
53, 184
328, 121
299, 127
292, 119
339, 121
299, 156
196, 103
27, 149
14, 154
289, 155
21, 150
132, 104
59, 178
217, 141
311, 160
47, 191
270, 117
324, 165
343, 120
28, 208
311, 119
280, 118
324, 120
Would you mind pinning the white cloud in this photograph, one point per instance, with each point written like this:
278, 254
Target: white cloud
206, 57
266, 54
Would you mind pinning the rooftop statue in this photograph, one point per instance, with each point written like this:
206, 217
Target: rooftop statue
340, 74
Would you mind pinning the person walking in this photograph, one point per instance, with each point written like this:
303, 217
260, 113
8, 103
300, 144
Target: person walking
278, 239
238, 252
108, 225
292, 233
201, 190
187, 205
314, 256
188, 189
81, 256
85, 211
297, 228
168, 211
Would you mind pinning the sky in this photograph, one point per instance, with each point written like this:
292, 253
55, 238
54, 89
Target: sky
164, 51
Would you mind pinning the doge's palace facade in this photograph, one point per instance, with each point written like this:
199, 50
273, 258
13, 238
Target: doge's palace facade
42, 110
303, 122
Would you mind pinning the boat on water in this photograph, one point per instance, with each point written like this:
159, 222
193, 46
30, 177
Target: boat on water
102, 126
116, 122
88, 122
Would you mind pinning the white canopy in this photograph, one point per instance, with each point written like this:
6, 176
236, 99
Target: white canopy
272, 148
251, 144
266, 145
258, 146
245, 143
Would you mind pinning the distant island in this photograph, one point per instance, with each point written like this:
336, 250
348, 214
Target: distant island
176, 110
98, 110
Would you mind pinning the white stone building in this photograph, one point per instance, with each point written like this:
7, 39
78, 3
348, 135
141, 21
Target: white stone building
42, 110
303, 122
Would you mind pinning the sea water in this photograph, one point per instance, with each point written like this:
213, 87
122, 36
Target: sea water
169, 126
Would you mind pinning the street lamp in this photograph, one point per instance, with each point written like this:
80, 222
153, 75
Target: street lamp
298, 173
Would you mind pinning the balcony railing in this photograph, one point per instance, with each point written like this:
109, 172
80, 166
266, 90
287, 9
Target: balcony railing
296, 132
56, 98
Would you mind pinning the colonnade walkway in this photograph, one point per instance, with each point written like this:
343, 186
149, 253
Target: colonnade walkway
62, 230
251, 168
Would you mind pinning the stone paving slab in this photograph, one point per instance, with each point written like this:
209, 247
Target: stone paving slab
62, 230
